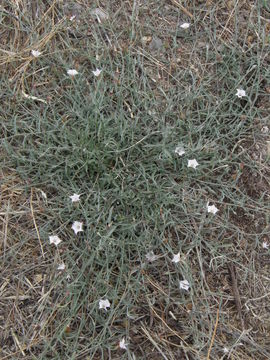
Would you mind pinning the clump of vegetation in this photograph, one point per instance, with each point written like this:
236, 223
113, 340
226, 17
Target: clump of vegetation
135, 180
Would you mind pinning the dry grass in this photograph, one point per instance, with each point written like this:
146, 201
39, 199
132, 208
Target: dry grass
138, 197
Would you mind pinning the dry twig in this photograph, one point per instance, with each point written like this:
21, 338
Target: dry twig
236, 295
213, 336
182, 8
32, 211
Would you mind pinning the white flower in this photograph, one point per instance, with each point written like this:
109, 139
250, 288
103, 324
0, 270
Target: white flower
176, 258
61, 266
96, 72
54, 239
265, 245
212, 209
179, 150
184, 284
104, 304
151, 256
44, 195
35, 53
193, 163
75, 197
123, 344
72, 18
240, 93
77, 227
226, 350
185, 26
265, 129
72, 72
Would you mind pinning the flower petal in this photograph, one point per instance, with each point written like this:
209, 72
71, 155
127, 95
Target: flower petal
184, 284
35, 53
104, 304
240, 93
61, 266
185, 26
193, 163
176, 258
123, 344
96, 72
54, 239
179, 150
72, 72
77, 226
75, 197
151, 256
212, 209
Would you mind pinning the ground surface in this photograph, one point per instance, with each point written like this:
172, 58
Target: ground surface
112, 138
